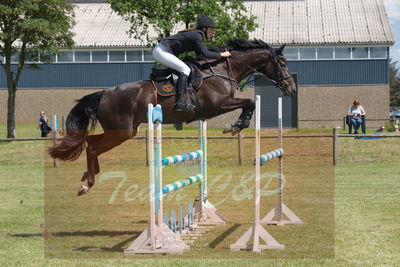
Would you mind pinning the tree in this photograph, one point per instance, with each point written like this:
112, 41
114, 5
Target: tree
161, 16
29, 29
394, 85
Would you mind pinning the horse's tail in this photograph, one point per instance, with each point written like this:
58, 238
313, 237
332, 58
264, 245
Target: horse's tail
77, 123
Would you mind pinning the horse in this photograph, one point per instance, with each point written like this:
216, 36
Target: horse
121, 109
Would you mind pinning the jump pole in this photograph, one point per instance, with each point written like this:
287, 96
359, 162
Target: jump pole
251, 238
208, 214
158, 237
277, 214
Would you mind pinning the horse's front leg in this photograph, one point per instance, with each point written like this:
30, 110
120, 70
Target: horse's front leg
247, 105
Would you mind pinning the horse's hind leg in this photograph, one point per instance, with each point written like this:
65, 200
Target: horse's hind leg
98, 144
91, 159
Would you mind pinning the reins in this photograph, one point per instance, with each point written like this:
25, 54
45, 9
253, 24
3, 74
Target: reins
279, 84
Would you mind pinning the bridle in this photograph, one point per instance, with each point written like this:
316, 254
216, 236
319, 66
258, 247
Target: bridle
280, 83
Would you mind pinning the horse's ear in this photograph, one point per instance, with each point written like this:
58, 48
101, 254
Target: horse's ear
280, 49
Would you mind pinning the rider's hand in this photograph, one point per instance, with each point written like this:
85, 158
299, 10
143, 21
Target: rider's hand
225, 54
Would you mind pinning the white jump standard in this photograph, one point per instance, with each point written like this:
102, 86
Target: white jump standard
251, 238
158, 237
277, 214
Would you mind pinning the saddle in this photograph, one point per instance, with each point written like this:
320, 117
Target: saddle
165, 79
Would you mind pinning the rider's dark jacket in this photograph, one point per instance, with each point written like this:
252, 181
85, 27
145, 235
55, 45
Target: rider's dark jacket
188, 41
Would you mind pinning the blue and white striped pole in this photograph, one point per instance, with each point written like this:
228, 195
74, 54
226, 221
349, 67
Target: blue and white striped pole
271, 155
182, 183
181, 158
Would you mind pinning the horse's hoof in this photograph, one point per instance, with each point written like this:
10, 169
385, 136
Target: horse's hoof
84, 177
83, 189
235, 130
228, 128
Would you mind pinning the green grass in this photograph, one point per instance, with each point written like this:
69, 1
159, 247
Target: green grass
362, 231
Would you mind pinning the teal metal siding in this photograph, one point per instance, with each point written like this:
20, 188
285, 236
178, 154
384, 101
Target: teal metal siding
340, 72
103, 75
77, 75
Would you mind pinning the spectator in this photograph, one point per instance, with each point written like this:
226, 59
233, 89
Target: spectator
355, 112
380, 129
43, 124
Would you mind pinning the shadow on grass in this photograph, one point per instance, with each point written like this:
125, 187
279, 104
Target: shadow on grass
80, 233
221, 237
116, 248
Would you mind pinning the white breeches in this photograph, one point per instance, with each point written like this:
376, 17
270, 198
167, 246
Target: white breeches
161, 55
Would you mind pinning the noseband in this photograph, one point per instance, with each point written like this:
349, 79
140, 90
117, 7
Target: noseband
281, 78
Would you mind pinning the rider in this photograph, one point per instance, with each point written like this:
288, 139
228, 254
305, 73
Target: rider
168, 49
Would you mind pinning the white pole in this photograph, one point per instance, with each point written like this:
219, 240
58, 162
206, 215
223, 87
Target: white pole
150, 144
257, 175
159, 181
280, 161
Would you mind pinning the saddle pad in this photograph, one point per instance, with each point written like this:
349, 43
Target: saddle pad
164, 88
167, 87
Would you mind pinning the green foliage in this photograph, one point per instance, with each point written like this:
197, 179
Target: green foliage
34, 26
394, 85
230, 16
31, 27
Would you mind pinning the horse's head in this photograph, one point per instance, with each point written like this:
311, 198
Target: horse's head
277, 70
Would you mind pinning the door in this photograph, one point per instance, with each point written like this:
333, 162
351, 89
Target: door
269, 104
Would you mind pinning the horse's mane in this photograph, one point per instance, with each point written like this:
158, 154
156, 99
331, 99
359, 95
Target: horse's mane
241, 44
231, 45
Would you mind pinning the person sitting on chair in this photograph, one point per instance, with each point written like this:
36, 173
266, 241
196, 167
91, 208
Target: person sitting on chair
168, 49
355, 112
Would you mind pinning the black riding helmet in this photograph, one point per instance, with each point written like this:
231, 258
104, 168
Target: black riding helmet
204, 21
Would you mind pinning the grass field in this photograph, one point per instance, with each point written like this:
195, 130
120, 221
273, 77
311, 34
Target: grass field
350, 211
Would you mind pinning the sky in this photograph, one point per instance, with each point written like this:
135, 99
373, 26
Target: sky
393, 11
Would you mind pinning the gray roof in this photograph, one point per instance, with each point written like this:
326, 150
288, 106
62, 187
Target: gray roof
297, 22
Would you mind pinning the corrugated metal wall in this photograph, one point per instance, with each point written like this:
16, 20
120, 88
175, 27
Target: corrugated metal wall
81, 75
344, 72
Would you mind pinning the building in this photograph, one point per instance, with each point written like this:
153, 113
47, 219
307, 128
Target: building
338, 49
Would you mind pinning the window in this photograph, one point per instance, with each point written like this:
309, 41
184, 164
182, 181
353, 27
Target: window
32, 57
378, 52
48, 58
148, 55
134, 55
82, 56
66, 56
343, 52
99, 56
15, 57
307, 53
325, 53
291, 53
117, 56
360, 52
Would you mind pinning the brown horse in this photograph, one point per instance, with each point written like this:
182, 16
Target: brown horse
121, 109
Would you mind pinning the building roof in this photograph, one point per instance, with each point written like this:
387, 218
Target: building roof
295, 22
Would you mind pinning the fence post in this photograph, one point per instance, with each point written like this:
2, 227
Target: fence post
147, 149
344, 123
335, 146
55, 136
240, 147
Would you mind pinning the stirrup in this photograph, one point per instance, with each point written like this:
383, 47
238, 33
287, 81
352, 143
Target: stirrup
184, 107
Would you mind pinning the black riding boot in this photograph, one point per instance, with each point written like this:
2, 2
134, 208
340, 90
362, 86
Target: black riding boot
181, 94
